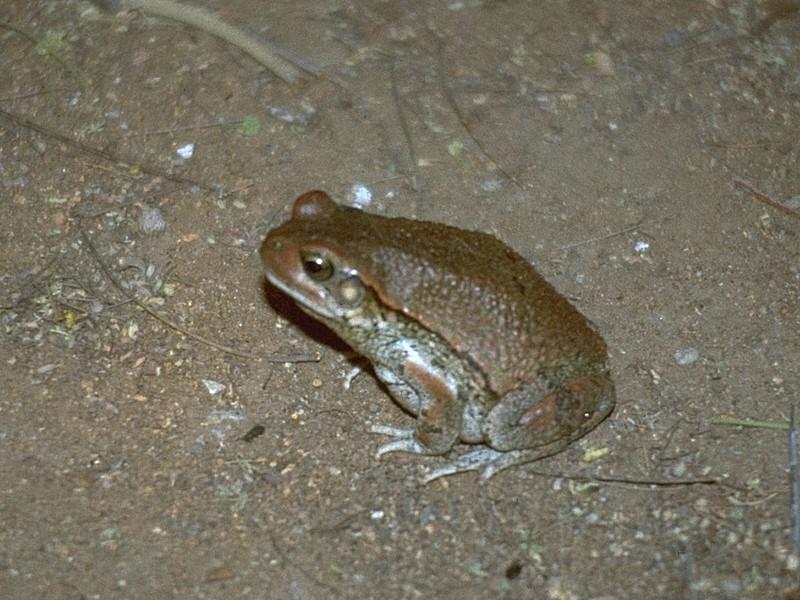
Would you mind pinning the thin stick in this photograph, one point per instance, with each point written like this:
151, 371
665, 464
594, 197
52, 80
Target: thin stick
462, 119
661, 483
33, 40
297, 565
31, 281
602, 237
401, 118
31, 94
294, 358
794, 483
737, 422
210, 23
737, 146
96, 152
740, 183
183, 128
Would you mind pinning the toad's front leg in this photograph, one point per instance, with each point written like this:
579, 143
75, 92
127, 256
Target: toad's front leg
427, 393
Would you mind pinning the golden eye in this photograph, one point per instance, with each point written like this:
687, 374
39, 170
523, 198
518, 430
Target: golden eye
317, 266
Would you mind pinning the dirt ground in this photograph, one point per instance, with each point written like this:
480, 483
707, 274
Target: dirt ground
140, 344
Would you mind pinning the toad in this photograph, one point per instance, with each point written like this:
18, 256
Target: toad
465, 334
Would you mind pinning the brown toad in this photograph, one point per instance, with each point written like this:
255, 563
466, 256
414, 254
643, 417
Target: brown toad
465, 334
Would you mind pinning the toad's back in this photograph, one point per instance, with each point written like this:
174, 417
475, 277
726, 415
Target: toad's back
478, 294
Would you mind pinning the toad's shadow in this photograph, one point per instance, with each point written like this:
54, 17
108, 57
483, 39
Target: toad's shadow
287, 308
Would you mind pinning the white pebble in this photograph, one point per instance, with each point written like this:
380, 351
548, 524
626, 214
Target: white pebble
186, 151
361, 196
213, 387
152, 220
687, 356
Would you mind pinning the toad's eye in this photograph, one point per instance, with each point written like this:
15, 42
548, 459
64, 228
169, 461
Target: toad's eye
317, 266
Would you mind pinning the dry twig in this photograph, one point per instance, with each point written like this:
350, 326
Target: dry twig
97, 153
633, 227
462, 119
794, 483
756, 424
211, 23
637, 482
740, 183
296, 358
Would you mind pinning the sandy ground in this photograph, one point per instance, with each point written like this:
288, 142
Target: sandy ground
139, 342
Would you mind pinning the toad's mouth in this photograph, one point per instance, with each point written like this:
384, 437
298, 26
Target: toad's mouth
314, 308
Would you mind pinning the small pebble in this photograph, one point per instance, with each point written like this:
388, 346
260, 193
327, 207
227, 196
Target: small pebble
492, 184
687, 356
602, 63
219, 416
152, 220
304, 116
455, 148
360, 195
253, 433
673, 38
680, 470
213, 387
552, 138
186, 151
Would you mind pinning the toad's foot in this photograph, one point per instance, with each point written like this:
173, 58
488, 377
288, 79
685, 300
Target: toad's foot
405, 440
485, 459
490, 462
391, 431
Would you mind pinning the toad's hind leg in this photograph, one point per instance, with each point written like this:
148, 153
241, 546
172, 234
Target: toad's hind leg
521, 429
531, 424
547, 423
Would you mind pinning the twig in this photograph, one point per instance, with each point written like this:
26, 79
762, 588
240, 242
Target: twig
632, 481
738, 145
662, 450
237, 190
707, 59
794, 482
210, 23
451, 101
183, 128
740, 183
19, 31
102, 154
296, 358
33, 40
296, 565
31, 94
70, 306
340, 525
737, 422
777, 11
30, 282
401, 118
602, 237
736, 502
